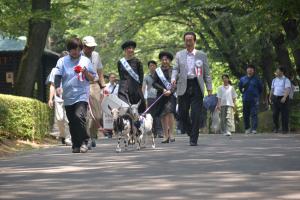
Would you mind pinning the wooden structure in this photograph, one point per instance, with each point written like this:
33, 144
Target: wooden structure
10, 55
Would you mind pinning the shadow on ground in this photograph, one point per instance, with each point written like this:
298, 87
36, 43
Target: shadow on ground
240, 167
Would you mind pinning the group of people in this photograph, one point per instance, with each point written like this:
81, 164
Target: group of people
251, 88
78, 80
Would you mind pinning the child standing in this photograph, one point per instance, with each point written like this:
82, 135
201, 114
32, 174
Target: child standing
226, 104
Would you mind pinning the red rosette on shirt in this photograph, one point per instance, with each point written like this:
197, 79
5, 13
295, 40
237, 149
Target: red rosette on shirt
78, 71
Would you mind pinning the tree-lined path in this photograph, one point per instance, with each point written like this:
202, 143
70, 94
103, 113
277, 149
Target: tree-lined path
242, 167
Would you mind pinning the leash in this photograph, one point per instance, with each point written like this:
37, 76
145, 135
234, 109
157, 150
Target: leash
156, 100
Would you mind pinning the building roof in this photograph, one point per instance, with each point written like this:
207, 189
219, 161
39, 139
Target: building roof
12, 44
7, 45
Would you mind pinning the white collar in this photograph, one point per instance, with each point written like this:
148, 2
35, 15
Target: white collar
193, 52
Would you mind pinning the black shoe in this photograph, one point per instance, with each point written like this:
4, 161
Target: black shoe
93, 142
172, 140
160, 136
165, 141
76, 150
193, 144
275, 130
63, 140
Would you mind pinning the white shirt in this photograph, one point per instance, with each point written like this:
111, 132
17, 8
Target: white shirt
96, 61
226, 94
279, 84
110, 87
191, 64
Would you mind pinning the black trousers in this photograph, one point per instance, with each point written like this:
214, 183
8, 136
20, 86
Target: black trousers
190, 104
76, 114
283, 109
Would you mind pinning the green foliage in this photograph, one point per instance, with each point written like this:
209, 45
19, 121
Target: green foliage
24, 118
295, 112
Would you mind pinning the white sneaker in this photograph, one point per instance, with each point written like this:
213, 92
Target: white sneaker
68, 142
227, 133
248, 131
253, 132
83, 148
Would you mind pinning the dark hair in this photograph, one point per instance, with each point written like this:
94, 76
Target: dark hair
250, 66
128, 43
151, 62
226, 76
165, 53
282, 69
190, 33
74, 43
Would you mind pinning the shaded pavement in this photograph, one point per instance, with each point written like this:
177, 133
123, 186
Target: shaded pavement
241, 167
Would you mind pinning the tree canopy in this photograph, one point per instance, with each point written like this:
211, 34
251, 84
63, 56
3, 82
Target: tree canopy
232, 33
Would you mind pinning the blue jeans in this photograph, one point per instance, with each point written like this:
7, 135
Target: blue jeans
250, 109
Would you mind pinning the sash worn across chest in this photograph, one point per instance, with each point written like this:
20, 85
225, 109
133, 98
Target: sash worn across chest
163, 79
129, 69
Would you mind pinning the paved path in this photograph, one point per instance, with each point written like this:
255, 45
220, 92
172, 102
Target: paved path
241, 167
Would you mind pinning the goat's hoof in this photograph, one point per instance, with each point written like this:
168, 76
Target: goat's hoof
118, 150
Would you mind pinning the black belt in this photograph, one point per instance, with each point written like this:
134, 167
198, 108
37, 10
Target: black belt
278, 96
191, 80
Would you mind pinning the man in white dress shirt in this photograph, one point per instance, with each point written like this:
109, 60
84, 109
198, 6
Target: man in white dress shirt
190, 73
279, 97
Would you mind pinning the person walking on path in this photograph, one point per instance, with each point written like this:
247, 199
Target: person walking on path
251, 88
151, 97
226, 104
279, 97
94, 119
190, 73
75, 72
165, 108
131, 76
59, 111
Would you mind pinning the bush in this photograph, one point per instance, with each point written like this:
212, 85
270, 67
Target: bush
24, 118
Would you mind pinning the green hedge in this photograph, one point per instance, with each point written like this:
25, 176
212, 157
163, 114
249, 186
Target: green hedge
24, 118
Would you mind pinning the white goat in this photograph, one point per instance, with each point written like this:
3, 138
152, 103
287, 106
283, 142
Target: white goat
142, 126
146, 124
122, 127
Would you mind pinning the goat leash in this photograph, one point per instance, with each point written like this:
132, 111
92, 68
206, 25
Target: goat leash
156, 100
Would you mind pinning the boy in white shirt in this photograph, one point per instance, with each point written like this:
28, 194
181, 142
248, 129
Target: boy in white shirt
226, 104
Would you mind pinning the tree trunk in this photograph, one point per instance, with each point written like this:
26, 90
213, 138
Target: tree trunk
32, 54
282, 54
292, 36
266, 62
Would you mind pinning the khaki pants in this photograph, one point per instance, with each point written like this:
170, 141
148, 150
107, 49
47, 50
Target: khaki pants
95, 112
61, 120
227, 119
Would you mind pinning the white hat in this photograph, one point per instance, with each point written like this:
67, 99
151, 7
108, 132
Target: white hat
89, 41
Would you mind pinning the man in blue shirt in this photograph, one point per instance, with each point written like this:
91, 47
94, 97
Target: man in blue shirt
251, 88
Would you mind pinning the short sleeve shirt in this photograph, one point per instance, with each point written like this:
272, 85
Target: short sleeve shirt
226, 94
96, 61
148, 81
74, 89
279, 85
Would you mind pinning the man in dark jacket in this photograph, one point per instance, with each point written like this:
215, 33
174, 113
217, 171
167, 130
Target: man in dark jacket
251, 88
